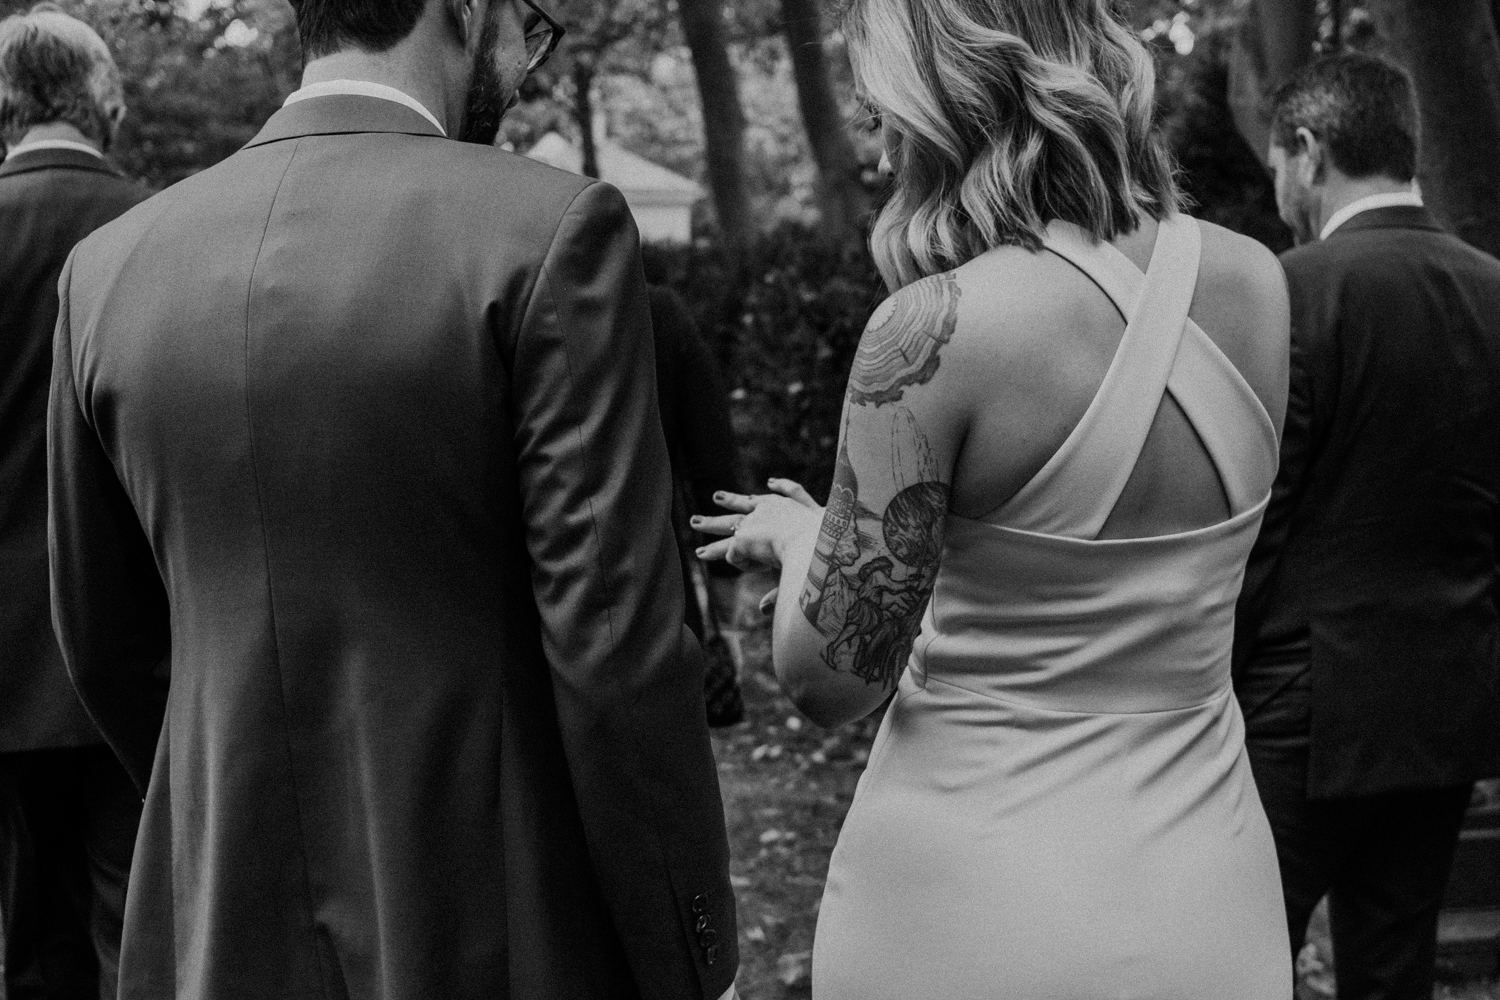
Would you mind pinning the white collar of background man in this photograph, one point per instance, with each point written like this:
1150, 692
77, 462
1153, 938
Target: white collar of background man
1393, 199
41, 144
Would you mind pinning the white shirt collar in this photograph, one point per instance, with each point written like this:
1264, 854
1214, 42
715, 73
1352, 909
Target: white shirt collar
363, 88
1407, 199
36, 144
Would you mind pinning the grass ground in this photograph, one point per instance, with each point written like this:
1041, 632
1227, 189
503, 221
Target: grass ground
787, 785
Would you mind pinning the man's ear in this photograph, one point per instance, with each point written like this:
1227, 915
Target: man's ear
113, 116
1314, 156
463, 15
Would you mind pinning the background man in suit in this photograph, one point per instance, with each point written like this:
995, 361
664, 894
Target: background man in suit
1368, 630
68, 812
357, 431
694, 404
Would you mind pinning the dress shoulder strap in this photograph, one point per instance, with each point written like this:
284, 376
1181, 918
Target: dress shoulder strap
1075, 492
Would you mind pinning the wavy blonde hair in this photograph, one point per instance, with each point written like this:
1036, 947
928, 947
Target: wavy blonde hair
1001, 116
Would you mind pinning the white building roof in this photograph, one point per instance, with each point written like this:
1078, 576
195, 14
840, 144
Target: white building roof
640, 180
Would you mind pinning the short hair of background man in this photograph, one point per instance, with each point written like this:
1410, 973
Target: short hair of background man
1362, 108
54, 68
326, 26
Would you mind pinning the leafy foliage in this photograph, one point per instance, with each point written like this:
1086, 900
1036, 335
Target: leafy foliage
787, 331
1220, 173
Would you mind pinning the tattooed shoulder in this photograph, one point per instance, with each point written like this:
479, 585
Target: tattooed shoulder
902, 345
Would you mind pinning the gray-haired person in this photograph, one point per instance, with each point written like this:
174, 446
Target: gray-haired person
68, 811
1368, 625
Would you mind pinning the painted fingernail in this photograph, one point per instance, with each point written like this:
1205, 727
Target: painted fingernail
697, 520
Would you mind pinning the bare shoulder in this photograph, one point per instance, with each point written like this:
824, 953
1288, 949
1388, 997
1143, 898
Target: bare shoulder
958, 326
1030, 322
1242, 303
1234, 264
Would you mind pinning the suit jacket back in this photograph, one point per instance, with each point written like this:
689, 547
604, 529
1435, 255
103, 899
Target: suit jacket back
49, 200
382, 405
1376, 566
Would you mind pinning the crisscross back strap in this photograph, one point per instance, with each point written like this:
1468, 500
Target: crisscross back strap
1161, 351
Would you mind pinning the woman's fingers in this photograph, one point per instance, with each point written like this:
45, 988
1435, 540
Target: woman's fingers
722, 525
740, 552
737, 502
768, 601
715, 551
792, 491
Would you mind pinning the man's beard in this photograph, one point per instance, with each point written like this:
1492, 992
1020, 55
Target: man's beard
485, 104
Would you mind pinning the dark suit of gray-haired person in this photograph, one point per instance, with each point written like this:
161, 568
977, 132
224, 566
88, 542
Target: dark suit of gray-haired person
68, 811
1368, 625
355, 436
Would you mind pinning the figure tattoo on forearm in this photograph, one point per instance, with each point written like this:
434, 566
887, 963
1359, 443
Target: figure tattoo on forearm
873, 568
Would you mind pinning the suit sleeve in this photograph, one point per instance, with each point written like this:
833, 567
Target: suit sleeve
109, 608
1312, 393
627, 675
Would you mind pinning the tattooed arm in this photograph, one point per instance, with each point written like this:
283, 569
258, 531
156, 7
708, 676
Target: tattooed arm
866, 573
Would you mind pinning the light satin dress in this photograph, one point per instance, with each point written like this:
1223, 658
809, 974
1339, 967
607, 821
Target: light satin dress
1058, 803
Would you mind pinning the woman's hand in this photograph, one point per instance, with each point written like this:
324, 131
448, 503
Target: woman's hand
761, 527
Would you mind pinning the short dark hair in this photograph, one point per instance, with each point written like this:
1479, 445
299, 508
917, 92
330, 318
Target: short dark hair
1362, 108
54, 68
326, 26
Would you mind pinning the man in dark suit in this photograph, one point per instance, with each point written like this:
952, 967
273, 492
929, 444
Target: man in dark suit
354, 436
1368, 629
68, 811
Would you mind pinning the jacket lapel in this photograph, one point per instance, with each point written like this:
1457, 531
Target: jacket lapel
342, 114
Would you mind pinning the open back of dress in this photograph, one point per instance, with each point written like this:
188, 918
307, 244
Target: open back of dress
1058, 803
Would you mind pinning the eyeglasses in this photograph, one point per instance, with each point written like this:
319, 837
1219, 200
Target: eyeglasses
543, 33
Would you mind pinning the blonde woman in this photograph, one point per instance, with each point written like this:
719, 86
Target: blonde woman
1059, 438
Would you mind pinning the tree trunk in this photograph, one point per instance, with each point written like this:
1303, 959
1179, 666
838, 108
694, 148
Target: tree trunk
841, 197
1274, 41
583, 112
723, 119
1452, 50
